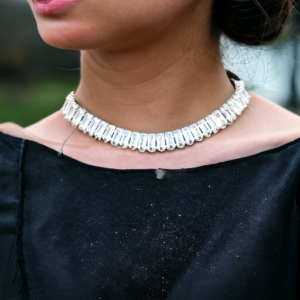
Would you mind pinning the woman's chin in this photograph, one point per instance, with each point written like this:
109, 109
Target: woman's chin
66, 37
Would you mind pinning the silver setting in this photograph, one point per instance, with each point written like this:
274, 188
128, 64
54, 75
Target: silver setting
212, 123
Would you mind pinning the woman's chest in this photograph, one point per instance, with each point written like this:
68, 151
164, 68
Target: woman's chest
213, 234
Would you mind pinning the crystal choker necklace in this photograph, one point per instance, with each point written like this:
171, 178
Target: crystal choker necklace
212, 123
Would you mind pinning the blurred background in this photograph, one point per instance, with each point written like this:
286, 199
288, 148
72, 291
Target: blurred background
35, 77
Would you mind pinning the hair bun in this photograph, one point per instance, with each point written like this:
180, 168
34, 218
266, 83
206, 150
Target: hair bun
252, 22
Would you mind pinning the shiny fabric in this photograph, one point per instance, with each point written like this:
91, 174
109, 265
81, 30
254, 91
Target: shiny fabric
69, 230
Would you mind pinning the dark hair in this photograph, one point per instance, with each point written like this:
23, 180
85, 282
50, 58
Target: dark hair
252, 22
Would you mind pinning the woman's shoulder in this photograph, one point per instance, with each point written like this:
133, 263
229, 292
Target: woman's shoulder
14, 130
11, 136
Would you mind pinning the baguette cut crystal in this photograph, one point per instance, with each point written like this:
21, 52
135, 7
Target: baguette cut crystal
66, 105
179, 139
188, 136
228, 113
93, 126
151, 144
239, 100
100, 130
71, 111
142, 146
125, 139
108, 133
242, 100
78, 116
116, 138
219, 116
85, 122
196, 132
236, 107
204, 127
160, 142
170, 142
246, 96
134, 140
214, 127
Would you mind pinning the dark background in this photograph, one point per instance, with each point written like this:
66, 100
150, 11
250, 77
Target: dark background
35, 77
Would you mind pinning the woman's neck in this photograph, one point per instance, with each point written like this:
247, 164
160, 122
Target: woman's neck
174, 80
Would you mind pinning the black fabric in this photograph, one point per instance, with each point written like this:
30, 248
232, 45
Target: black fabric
69, 230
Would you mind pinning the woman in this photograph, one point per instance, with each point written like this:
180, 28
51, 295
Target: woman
216, 220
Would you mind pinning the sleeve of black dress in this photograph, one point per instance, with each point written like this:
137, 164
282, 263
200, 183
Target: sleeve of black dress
10, 155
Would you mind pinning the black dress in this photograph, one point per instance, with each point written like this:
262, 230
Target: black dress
225, 231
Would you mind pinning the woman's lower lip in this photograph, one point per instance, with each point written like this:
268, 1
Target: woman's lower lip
48, 7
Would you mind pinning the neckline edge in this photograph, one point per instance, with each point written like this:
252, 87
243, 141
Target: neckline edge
192, 169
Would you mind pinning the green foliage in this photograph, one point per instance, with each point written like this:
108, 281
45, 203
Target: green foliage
25, 105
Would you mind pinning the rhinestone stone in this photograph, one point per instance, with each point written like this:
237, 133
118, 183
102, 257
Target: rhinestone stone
196, 132
116, 138
93, 126
160, 140
241, 99
204, 127
142, 146
134, 140
125, 139
108, 133
188, 136
70, 96
242, 104
71, 111
100, 130
170, 142
228, 113
85, 122
78, 116
219, 116
66, 105
236, 107
151, 144
246, 96
213, 125
179, 139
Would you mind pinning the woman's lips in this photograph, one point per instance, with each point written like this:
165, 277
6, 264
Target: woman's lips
48, 7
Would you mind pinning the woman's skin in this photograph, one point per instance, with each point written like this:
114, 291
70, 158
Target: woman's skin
151, 66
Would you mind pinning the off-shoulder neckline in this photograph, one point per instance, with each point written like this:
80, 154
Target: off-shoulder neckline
192, 169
